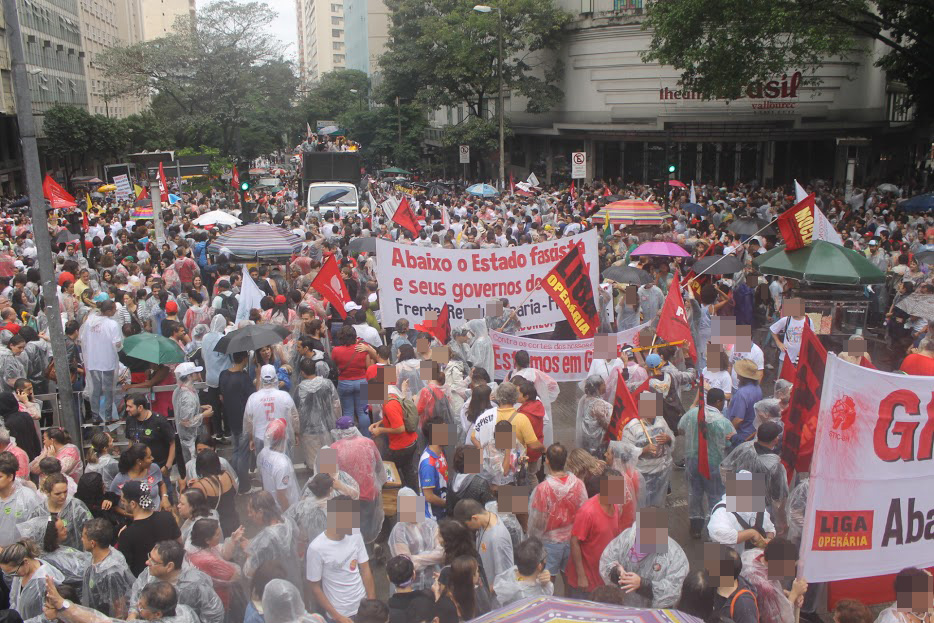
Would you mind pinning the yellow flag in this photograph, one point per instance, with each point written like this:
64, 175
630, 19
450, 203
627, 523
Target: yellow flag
88, 197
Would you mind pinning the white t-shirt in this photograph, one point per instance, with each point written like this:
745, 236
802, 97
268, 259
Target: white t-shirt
792, 339
266, 405
278, 474
101, 339
336, 564
755, 355
368, 334
483, 427
720, 379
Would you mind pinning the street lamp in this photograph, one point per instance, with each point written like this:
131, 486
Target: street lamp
482, 8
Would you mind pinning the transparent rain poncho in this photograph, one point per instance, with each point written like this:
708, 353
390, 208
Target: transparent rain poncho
745, 457
28, 599
275, 542
460, 349
436, 404
189, 523
553, 506
282, 603
624, 458
191, 470
194, 589
358, 456
352, 489
516, 533
310, 515
892, 615
16, 509
214, 362
656, 471
106, 466
70, 562
666, 570
795, 509
456, 382
318, 404
773, 605
75, 514
410, 370
593, 418
419, 542
509, 588
768, 409
481, 347
547, 389
188, 416
106, 586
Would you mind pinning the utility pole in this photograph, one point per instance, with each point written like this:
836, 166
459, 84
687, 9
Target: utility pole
156, 196
40, 219
502, 113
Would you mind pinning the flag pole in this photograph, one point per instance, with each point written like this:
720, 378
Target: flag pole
752, 235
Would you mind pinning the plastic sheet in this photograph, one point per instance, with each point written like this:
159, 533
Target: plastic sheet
275, 542
774, 606
282, 603
194, 588
106, 586
75, 514
358, 456
656, 471
593, 418
318, 406
481, 346
509, 588
418, 541
554, 504
666, 570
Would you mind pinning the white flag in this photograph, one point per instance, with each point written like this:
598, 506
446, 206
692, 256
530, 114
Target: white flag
250, 296
823, 228
693, 194
373, 203
389, 207
445, 216
800, 193
532, 180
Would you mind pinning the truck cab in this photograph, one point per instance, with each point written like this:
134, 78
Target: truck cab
346, 203
330, 182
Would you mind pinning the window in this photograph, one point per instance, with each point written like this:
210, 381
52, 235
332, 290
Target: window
338, 45
337, 33
337, 8
338, 59
336, 20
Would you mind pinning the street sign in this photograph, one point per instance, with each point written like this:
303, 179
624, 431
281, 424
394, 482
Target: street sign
578, 165
465, 154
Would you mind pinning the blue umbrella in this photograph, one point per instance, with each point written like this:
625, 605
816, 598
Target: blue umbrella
696, 210
918, 203
173, 199
482, 190
19, 203
331, 196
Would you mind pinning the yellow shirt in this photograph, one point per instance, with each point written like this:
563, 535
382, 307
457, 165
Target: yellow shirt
525, 434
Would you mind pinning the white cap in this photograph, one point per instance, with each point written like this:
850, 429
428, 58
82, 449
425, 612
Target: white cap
350, 306
268, 373
186, 368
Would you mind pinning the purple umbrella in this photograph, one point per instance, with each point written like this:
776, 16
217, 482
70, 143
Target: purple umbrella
664, 249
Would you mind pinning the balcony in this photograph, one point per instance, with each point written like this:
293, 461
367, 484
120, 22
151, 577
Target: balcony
609, 8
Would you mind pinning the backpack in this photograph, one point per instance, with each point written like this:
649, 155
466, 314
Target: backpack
229, 306
736, 596
759, 526
409, 413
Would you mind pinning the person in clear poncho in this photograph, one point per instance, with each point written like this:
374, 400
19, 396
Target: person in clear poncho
647, 564
624, 458
593, 417
460, 343
650, 433
49, 535
456, 382
761, 457
276, 540
409, 369
795, 509
318, 407
27, 588
481, 347
310, 514
214, 362
510, 521
189, 416
546, 388
358, 456
69, 509
416, 537
765, 571
343, 483
106, 584
768, 410
282, 603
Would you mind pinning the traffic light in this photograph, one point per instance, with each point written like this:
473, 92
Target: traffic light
243, 174
671, 168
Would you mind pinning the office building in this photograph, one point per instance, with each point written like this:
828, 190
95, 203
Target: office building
366, 33
159, 16
321, 47
106, 24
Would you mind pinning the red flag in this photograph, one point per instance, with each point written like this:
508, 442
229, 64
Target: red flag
143, 194
606, 191
329, 283
573, 192
405, 217
57, 196
703, 460
797, 224
163, 185
788, 371
512, 184
440, 327
625, 408
569, 285
691, 279
673, 323
864, 362
235, 180
800, 416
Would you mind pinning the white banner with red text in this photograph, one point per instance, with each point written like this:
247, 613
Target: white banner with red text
870, 507
413, 280
563, 360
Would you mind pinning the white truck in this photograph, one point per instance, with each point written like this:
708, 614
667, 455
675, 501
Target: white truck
330, 181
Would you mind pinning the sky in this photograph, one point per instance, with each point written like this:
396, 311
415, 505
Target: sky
283, 27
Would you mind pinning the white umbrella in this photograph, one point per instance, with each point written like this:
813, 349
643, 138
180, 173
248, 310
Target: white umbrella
887, 188
217, 217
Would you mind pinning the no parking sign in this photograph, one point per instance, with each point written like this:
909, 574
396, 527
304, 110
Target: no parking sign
578, 165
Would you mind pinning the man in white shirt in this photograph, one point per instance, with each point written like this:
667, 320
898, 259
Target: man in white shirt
744, 349
338, 567
268, 404
364, 331
791, 325
101, 341
276, 468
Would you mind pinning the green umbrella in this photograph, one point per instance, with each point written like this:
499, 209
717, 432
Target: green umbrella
820, 262
153, 348
396, 170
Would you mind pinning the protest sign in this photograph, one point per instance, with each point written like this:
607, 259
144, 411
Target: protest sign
563, 360
869, 508
124, 189
414, 279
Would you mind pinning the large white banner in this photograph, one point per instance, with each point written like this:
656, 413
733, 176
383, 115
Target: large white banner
124, 188
562, 360
414, 279
870, 507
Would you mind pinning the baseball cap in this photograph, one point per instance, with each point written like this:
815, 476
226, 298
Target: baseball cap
653, 361
873, 242
350, 306
65, 276
344, 422
186, 368
268, 373
171, 307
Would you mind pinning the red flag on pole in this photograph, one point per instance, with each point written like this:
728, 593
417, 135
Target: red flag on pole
625, 408
235, 180
405, 217
440, 327
788, 371
163, 186
569, 285
800, 416
57, 196
573, 192
606, 191
797, 224
331, 286
703, 460
673, 324
512, 184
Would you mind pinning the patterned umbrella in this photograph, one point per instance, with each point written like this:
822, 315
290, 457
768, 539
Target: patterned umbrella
560, 610
257, 240
482, 190
632, 212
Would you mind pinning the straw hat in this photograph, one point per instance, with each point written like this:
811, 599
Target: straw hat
748, 369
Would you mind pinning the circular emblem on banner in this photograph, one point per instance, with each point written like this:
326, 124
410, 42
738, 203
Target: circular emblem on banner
843, 413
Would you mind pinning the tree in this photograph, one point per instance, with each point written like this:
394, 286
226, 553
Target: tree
723, 46
333, 95
377, 131
72, 134
445, 54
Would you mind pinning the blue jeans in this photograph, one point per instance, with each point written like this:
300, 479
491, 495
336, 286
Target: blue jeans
556, 557
699, 487
102, 394
353, 403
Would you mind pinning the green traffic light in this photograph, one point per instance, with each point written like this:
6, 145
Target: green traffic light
244, 186
671, 168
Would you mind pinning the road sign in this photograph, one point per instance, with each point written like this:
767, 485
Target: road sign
465, 154
578, 165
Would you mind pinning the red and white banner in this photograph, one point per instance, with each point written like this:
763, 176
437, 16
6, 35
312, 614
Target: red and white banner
563, 360
870, 507
414, 279
804, 222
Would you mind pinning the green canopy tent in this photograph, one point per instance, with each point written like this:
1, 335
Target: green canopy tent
395, 171
820, 262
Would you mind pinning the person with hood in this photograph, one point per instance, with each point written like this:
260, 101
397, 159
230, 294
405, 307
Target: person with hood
409, 368
460, 343
49, 534
278, 474
59, 504
481, 347
529, 577
101, 340
318, 406
282, 603
593, 417
310, 513
189, 414
276, 539
107, 581
214, 364
17, 501
650, 433
20, 424
167, 564
416, 537
20, 560
467, 482
645, 562
358, 456
766, 570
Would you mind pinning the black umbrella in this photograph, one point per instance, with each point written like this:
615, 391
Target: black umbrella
19, 203
251, 337
750, 226
331, 196
695, 209
363, 244
717, 265
925, 257
627, 274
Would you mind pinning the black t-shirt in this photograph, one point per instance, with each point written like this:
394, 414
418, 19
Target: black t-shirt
745, 609
414, 607
156, 432
235, 388
138, 539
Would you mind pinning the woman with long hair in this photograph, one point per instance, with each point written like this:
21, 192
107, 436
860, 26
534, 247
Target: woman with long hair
212, 555
219, 489
461, 591
50, 533
352, 360
60, 505
456, 540
100, 458
276, 539
56, 442
27, 590
192, 506
136, 463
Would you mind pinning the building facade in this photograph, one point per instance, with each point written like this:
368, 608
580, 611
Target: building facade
321, 46
159, 16
106, 24
10, 166
366, 33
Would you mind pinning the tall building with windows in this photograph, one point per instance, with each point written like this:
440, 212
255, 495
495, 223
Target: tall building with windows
10, 166
320, 38
106, 24
159, 16
366, 33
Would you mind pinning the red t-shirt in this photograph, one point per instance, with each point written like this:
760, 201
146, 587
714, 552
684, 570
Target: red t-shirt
918, 365
535, 411
594, 530
351, 364
393, 417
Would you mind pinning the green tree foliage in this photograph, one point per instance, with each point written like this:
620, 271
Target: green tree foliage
445, 53
73, 134
220, 82
377, 131
333, 95
722, 46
